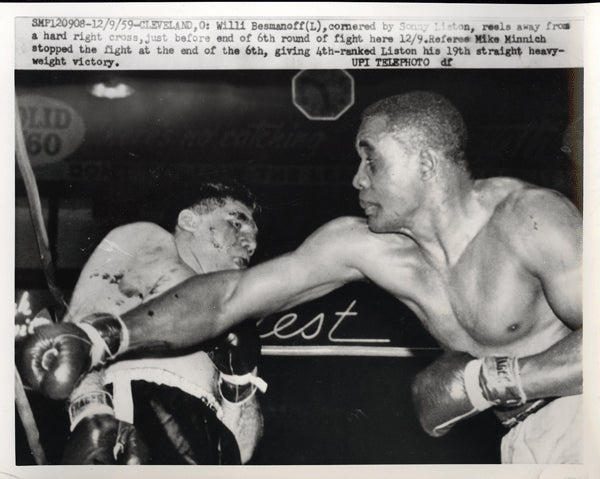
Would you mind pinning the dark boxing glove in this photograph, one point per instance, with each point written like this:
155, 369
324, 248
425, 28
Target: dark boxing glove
457, 386
103, 439
236, 356
55, 356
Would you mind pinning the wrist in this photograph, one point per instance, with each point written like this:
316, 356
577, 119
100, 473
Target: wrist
240, 388
90, 404
108, 334
494, 381
236, 394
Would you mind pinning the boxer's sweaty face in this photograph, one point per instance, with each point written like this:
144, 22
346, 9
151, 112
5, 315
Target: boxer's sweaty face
225, 237
387, 178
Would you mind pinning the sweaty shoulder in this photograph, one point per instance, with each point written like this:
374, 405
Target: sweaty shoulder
537, 221
536, 210
339, 236
143, 249
345, 225
129, 238
349, 244
131, 264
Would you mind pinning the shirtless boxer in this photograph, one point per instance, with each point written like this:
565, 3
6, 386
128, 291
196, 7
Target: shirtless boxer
133, 264
492, 268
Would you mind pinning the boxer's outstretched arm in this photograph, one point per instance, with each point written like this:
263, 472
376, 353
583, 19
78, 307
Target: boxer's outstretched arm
205, 306
550, 245
201, 308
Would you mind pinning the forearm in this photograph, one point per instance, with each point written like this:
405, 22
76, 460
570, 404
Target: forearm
89, 398
555, 372
92, 381
186, 315
205, 306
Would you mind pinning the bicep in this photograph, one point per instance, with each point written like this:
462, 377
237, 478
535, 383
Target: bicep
563, 292
281, 283
321, 264
552, 250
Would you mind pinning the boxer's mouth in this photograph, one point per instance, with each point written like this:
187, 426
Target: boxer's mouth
368, 207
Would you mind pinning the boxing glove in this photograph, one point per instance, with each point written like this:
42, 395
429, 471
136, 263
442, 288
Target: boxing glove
457, 386
103, 439
236, 356
55, 356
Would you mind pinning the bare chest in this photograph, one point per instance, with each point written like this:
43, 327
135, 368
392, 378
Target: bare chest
492, 297
484, 304
115, 283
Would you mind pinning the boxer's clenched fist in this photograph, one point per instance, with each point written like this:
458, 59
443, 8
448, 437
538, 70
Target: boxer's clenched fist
102, 439
55, 356
238, 351
457, 386
236, 357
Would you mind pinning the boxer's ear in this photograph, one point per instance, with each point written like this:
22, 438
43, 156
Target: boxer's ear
428, 163
187, 220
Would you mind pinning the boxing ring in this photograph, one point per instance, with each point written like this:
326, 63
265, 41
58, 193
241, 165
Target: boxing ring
373, 348
345, 347
341, 351
37, 219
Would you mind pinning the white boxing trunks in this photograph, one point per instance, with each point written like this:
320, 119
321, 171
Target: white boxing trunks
552, 435
193, 374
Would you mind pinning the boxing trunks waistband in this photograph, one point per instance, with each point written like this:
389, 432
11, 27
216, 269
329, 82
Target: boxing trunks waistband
510, 417
180, 422
122, 392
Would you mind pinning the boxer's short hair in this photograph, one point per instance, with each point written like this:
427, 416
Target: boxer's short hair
205, 196
213, 194
430, 119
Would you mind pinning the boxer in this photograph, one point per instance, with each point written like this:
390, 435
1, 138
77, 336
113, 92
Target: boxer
492, 268
197, 408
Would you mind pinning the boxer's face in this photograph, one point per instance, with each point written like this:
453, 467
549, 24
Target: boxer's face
388, 180
225, 237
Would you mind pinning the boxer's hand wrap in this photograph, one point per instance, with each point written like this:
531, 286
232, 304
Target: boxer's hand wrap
108, 334
500, 381
236, 356
102, 439
457, 386
90, 404
55, 356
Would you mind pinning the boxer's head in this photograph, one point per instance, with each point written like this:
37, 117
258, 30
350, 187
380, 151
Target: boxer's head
217, 231
404, 143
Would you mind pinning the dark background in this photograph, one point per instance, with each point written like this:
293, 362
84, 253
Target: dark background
139, 154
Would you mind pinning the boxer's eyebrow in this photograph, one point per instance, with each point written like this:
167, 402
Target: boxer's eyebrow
244, 218
240, 215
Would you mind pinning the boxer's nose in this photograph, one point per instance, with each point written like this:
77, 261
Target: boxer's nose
248, 242
360, 180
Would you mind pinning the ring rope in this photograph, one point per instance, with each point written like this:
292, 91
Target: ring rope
365, 351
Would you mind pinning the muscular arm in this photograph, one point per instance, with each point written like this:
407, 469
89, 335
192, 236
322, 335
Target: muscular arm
550, 246
556, 371
207, 305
